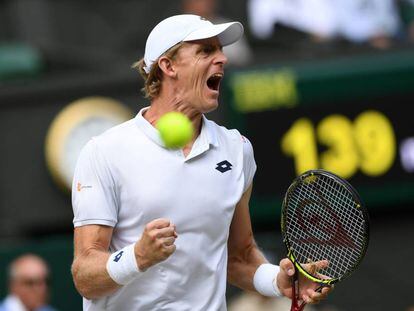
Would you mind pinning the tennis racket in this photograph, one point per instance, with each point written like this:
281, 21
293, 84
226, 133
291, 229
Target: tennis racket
323, 218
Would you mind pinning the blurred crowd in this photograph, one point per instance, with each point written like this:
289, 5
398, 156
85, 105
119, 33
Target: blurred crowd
378, 22
114, 34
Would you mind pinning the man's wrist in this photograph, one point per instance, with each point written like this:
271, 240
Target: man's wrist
122, 265
142, 263
264, 280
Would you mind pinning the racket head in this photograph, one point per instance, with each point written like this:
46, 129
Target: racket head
323, 218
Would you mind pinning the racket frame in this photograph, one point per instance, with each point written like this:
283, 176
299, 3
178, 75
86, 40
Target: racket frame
359, 205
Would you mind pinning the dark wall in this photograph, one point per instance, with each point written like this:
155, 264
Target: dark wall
30, 202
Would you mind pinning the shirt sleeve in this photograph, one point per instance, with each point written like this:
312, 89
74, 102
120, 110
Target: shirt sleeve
249, 164
93, 189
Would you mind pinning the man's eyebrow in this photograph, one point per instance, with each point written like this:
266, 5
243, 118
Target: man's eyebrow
201, 46
210, 45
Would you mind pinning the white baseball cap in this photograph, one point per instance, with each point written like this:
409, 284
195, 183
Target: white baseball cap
186, 27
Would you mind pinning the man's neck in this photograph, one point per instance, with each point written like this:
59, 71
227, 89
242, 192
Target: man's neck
161, 105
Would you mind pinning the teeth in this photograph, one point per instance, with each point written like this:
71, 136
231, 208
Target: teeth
217, 75
213, 81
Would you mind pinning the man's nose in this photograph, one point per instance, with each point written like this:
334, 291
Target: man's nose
221, 58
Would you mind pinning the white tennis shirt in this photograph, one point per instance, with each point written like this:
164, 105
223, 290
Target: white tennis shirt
126, 178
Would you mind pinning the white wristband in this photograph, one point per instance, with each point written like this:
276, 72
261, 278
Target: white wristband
264, 280
122, 266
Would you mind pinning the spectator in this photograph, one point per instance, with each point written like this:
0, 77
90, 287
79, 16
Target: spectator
315, 17
359, 21
28, 285
373, 21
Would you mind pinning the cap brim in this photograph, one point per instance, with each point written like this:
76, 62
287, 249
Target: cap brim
227, 33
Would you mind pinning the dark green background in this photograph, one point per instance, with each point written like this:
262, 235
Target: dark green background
32, 205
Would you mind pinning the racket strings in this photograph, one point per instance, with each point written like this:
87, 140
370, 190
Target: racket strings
324, 223
326, 235
351, 218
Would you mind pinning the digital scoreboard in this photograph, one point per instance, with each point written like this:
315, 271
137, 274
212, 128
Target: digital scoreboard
353, 117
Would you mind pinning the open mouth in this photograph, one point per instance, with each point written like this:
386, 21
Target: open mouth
213, 82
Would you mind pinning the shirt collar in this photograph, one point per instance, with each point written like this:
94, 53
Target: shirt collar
208, 135
150, 131
209, 131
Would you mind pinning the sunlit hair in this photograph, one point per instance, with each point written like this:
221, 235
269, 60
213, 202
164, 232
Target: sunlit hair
152, 80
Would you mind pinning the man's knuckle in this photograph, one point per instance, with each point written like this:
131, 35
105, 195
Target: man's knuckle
164, 222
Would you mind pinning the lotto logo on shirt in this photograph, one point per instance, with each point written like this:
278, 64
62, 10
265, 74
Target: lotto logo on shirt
224, 166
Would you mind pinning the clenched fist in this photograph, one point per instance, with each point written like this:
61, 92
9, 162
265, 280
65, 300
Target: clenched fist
156, 243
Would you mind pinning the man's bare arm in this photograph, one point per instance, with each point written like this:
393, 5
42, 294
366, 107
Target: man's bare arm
89, 272
91, 255
244, 255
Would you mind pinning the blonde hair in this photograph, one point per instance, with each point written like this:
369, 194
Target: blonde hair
152, 80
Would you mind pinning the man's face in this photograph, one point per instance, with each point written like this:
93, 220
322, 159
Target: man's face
29, 283
200, 69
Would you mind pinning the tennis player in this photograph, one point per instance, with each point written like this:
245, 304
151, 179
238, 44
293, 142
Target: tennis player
161, 229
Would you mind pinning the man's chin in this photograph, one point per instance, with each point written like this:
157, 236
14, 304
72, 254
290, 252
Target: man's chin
210, 105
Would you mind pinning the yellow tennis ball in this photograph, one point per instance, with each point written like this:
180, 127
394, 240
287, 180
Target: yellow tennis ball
176, 129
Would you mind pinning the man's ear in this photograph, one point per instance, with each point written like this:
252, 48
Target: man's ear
166, 66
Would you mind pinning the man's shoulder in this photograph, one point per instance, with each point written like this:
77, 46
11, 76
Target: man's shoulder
119, 130
224, 132
110, 141
116, 135
232, 135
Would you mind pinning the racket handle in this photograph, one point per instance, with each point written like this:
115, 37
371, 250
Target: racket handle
296, 306
295, 301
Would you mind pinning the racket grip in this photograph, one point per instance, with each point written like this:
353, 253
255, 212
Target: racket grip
296, 306
295, 299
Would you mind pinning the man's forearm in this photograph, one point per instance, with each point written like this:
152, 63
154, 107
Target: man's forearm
90, 275
242, 267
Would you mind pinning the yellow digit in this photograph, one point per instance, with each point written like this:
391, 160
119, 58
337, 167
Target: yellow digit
374, 136
299, 142
335, 131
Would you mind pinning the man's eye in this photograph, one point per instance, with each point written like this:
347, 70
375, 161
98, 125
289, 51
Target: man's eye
208, 49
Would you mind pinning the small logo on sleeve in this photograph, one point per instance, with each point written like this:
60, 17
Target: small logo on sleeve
224, 166
79, 186
118, 256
